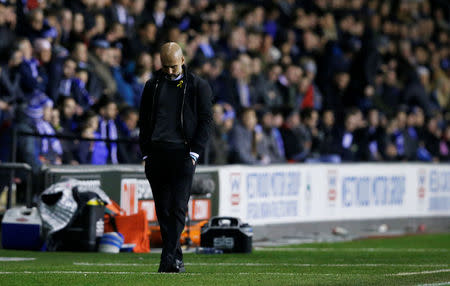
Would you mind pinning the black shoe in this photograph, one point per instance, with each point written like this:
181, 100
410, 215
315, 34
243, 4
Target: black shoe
175, 267
180, 266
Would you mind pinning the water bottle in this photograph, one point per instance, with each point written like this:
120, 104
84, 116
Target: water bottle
208, 250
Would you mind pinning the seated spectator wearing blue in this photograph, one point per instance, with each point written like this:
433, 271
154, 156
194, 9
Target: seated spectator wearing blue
28, 69
49, 150
205, 50
124, 88
91, 152
107, 108
93, 84
46, 62
73, 84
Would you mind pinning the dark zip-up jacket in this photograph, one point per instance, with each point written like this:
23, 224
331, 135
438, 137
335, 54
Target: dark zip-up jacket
195, 112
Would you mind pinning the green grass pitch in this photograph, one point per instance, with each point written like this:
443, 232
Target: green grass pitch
410, 260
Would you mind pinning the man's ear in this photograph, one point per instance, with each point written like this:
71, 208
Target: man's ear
182, 60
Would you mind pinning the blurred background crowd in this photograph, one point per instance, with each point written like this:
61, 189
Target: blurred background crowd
293, 81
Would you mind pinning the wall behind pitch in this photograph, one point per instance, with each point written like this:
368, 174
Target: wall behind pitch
304, 193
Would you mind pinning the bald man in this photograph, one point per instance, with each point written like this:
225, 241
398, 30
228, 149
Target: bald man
175, 120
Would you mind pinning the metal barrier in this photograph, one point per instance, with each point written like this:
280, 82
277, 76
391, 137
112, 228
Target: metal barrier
12, 168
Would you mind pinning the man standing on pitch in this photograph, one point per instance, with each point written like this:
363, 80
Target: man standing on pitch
174, 120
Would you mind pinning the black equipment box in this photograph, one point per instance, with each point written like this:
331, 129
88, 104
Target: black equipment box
86, 229
228, 234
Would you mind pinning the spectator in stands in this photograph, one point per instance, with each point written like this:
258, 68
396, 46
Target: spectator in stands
353, 139
65, 17
10, 89
376, 135
91, 152
143, 73
78, 27
287, 84
272, 137
119, 13
411, 137
329, 148
73, 84
374, 55
292, 137
99, 59
335, 96
311, 136
56, 120
159, 13
107, 109
8, 22
124, 89
247, 142
218, 147
240, 93
43, 54
432, 138
28, 69
68, 114
27, 146
49, 150
126, 123
311, 95
389, 99
270, 96
146, 38
37, 26
93, 84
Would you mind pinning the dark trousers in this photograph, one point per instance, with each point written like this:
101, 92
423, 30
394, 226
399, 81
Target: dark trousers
169, 170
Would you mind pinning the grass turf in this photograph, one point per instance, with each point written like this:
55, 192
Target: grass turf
410, 260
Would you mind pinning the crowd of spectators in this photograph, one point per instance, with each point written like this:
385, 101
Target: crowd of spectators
293, 81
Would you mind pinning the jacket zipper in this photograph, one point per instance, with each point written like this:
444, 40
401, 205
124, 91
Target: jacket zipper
182, 108
154, 100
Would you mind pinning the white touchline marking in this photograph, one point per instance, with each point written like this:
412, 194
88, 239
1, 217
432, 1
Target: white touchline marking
435, 284
115, 264
188, 273
268, 264
88, 272
354, 249
17, 259
420, 273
